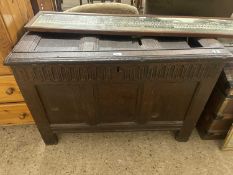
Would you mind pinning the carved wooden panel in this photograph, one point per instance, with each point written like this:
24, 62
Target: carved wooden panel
165, 71
73, 101
176, 95
107, 102
125, 98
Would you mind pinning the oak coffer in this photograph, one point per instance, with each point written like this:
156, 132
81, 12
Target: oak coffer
95, 83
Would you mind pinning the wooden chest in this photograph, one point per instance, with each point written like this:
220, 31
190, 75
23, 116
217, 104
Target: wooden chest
217, 117
105, 83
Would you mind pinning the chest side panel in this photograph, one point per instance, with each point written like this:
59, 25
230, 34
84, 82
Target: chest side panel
113, 93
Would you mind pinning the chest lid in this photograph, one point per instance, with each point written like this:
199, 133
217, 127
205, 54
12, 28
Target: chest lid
59, 47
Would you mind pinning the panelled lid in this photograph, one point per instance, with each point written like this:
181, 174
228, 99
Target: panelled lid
52, 47
53, 42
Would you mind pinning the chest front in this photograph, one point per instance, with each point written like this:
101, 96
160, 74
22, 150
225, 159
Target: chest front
104, 83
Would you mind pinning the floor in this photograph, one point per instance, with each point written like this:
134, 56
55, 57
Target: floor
22, 152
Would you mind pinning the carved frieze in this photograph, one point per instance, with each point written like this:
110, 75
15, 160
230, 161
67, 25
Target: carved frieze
160, 71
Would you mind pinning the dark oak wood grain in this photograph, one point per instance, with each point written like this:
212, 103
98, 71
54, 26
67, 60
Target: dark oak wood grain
76, 83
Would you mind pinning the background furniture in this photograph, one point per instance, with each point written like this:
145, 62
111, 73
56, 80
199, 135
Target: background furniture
106, 83
216, 8
92, 1
217, 117
136, 3
105, 8
45, 5
13, 16
228, 143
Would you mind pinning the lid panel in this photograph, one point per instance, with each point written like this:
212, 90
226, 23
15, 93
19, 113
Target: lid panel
49, 43
60, 42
